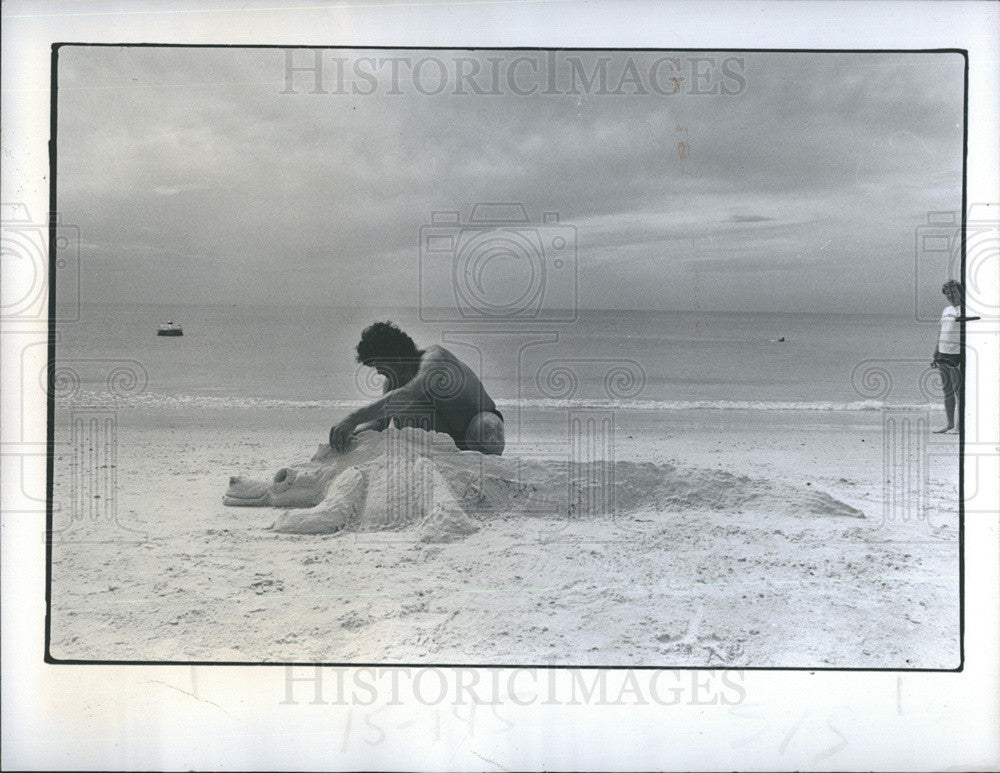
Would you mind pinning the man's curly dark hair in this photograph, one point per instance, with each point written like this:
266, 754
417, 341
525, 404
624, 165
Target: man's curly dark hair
385, 341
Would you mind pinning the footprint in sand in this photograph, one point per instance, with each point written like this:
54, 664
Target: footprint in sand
267, 586
352, 621
694, 644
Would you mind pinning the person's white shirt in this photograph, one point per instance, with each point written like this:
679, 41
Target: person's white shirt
949, 341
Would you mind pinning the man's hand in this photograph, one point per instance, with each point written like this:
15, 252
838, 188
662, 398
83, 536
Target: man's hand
340, 436
376, 424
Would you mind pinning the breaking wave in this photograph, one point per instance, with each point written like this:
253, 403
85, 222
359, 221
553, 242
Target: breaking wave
157, 400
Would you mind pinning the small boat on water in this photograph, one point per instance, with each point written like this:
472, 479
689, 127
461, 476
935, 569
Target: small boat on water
170, 329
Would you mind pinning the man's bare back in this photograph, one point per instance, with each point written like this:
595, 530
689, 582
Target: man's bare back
429, 388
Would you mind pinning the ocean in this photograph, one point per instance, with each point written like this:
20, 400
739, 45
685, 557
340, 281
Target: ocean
241, 355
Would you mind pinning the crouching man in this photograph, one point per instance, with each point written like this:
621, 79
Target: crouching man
429, 388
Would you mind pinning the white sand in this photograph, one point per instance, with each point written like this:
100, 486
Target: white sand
771, 579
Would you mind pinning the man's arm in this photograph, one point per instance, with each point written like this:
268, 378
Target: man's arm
375, 424
384, 408
378, 413
372, 416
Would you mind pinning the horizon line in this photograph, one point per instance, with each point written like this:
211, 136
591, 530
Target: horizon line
384, 307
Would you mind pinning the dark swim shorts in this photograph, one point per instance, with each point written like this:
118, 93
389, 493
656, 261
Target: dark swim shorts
460, 441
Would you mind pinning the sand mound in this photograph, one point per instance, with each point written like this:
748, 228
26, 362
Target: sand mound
399, 479
446, 525
380, 497
577, 489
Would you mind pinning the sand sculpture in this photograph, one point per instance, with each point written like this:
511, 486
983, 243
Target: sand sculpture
410, 478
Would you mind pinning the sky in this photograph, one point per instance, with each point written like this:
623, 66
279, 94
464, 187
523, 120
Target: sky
798, 186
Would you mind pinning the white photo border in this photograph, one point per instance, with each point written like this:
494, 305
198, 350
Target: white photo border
208, 717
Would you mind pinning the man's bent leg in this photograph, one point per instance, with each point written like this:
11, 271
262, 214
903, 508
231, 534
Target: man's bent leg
485, 434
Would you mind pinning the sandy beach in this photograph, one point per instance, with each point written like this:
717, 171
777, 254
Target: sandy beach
166, 572
712, 296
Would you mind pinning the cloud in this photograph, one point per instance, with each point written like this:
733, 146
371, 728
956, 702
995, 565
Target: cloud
753, 265
749, 219
319, 198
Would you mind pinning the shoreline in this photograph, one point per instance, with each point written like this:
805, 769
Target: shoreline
166, 401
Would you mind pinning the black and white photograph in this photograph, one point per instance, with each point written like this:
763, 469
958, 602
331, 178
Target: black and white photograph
509, 357
529, 371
